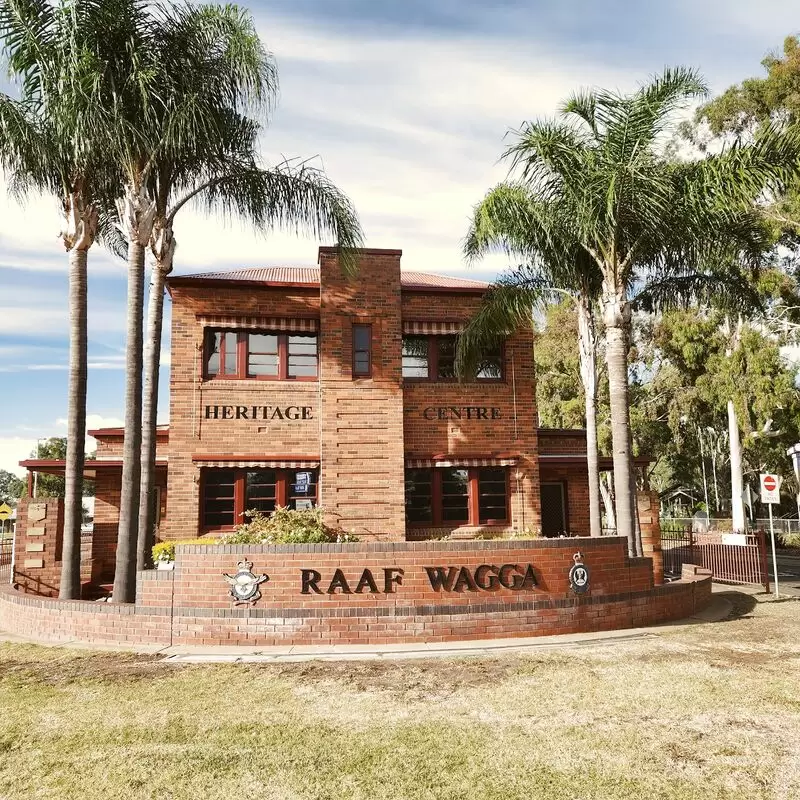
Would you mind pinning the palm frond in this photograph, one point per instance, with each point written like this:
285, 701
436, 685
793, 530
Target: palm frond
583, 104
548, 155
508, 305
292, 196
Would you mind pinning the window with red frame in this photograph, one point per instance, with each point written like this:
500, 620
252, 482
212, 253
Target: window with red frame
433, 358
260, 355
362, 351
457, 496
227, 493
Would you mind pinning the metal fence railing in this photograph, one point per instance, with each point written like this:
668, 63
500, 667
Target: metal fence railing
6, 556
731, 558
782, 525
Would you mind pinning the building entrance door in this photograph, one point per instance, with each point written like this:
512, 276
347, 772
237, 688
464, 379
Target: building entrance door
554, 509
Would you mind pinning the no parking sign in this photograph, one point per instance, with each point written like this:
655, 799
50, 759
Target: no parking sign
771, 495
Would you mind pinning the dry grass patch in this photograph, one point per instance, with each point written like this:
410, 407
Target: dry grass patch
711, 711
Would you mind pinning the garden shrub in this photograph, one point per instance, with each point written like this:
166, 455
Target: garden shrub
165, 551
286, 526
790, 540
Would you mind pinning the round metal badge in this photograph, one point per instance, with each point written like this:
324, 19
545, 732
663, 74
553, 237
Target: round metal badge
579, 575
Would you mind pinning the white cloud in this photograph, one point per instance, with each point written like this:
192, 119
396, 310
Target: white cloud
14, 449
93, 422
410, 128
39, 312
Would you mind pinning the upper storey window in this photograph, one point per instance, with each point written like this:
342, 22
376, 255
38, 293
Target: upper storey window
433, 358
261, 355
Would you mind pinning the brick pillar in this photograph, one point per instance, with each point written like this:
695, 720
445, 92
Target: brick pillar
651, 532
37, 551
362, 457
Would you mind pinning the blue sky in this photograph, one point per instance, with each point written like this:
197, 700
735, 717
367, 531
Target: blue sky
405, 104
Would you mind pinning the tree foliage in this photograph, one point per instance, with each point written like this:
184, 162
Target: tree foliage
11, 487
559, 391
683, 371
756, 104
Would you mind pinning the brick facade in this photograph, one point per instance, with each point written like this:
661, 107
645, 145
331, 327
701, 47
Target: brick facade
361, 432
191, 606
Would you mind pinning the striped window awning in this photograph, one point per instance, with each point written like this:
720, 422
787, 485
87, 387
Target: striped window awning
239, 462
290, 324
421, 463
432, 328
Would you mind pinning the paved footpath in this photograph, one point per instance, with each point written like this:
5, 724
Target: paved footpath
719, 609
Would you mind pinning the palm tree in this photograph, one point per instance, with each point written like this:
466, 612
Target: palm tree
642, 218
509, 220
51, 141
218, 70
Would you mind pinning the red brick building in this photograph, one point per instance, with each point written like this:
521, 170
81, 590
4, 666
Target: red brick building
302, 387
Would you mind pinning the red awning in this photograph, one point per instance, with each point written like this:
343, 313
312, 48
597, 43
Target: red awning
257, 462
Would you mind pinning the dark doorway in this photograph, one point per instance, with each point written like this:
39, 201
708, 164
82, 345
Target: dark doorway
554, 509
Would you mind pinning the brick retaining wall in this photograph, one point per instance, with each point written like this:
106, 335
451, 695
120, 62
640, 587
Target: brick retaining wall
191, 605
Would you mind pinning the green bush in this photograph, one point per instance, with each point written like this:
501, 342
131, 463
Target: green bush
790, 540
286, 526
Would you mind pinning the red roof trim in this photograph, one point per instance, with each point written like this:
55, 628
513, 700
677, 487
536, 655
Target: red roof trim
110, 433
308, 278
89, 464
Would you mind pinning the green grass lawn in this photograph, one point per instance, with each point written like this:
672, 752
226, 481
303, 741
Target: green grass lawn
708, 712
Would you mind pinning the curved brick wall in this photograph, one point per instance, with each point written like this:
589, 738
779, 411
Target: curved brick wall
394, 601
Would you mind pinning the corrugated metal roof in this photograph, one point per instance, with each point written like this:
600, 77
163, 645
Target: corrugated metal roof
262, 275
310, 275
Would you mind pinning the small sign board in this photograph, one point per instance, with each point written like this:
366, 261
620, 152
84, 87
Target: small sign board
770, 488
5, 511
303, 482
739, 539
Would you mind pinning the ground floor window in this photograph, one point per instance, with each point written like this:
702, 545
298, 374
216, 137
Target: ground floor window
457, 496
227, 493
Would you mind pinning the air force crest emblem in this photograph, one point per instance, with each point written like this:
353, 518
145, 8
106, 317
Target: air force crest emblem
244, 584
579, 575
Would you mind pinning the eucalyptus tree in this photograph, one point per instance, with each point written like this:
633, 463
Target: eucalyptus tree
222, 82
643, 218
52, 141
510, 219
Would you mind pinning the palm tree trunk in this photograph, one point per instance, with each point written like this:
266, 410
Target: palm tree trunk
587, 346
78, 235
164, 247
616, 316
70, 585
136, 214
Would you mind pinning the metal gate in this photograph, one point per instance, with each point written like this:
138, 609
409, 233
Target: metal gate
740, 559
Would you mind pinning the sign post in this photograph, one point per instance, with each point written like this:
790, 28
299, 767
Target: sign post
771, 494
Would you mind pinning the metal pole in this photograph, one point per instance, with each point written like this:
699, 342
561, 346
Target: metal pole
774, 557
13, 555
